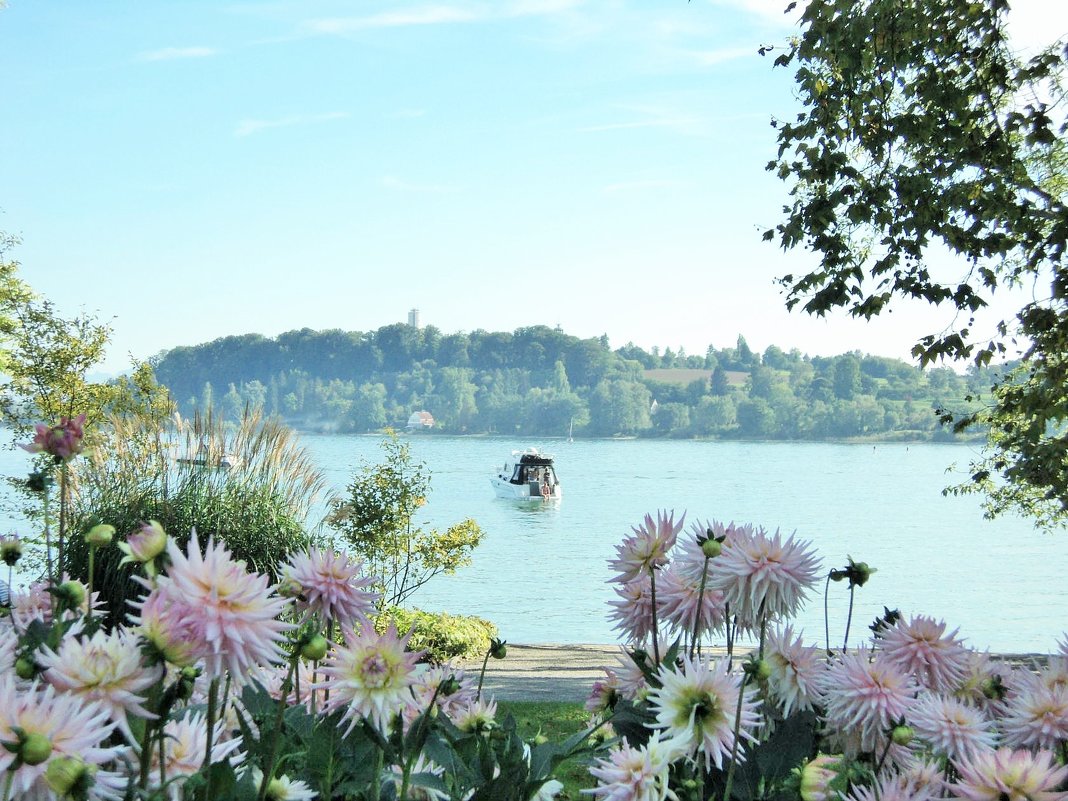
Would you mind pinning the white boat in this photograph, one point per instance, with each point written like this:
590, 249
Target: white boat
528, 475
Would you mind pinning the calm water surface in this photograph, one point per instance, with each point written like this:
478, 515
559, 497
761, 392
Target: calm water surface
541, 571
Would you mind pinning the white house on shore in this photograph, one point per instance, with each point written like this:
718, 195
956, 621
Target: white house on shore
420, 421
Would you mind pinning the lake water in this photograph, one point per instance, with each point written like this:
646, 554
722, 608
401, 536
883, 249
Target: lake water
541, 571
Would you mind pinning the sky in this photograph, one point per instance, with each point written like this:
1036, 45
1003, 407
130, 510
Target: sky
187, 171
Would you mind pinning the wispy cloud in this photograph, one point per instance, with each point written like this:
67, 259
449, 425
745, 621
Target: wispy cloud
249, 127
438, 15
651, 117
395, 184
172, 53
635, 186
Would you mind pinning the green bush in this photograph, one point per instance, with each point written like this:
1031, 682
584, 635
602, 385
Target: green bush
442, 636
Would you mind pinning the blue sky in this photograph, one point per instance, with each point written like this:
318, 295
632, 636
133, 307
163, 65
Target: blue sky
192, 170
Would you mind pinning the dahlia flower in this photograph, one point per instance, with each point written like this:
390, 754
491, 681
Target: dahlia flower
283, 788
864, 698
633, 611
1007, 775
165, 628
55, 726
1036, 717
9, 644
143, 545
476, 717
682, 603
331, 586
184, 743
697, 704
816, 777
951, 727
105, 668
370, 676
797, 670
604, 694
61, 442
937, 660
232, 614
689, 558
10, 549
891, 787
637, 774
630, 680
647, 548
417, 792
980, 673
758, 573
462, 692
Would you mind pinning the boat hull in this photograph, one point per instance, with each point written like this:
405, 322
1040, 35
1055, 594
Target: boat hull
528, 491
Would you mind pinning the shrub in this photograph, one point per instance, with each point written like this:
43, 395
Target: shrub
442, 636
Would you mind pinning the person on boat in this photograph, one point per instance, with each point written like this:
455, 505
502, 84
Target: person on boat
546, 487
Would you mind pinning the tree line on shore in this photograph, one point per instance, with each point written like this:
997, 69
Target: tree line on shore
541, 381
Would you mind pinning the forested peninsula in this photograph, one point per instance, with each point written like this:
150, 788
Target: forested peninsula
542, 381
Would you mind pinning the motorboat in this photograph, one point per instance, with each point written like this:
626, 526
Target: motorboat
528, 475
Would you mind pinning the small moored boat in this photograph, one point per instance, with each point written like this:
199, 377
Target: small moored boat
527, 475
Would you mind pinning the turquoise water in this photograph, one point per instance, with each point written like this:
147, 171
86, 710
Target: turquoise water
541, 571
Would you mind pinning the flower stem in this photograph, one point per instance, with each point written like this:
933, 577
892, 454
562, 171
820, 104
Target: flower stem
849, 618
730, 639
882, 759
482, 673
652, 603
734, 745
92, 556
826, 614
63, 519
213, 693
697, 611
272, 762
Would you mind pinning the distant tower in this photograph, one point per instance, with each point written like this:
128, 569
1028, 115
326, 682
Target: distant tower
413, 318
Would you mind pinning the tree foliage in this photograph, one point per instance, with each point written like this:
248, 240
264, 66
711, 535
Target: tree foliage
924, 139
376, 518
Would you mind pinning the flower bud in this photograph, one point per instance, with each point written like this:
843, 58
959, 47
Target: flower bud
289, 587
498, 648
25, 668
994, 689
10, 549
540, 739
38, 481
816, 777
449, 686
711, 548
315, 648
70, 594
34, 748
145, 544
69, 777
902, 734
101, 534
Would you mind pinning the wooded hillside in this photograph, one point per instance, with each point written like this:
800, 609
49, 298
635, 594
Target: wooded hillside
542, 381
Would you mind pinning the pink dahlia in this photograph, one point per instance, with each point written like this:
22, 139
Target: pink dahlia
1007, 775
689, 557
370, 677
631, 682
475, 717
105, 668
864, 698
61, 442
232, 613
604, 694
697, 704
636, 774
332, 586
283, 788
891, 787
951, 727
1036, 717
647, 548
797, 670
633, 611
170, 635
184, 742
682, 604
454, 689
937, 660
47, 726
764, 574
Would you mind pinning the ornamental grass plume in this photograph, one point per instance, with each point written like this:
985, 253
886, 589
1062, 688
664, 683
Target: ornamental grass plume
920, 647
760, 572
950, 727
1036, 717
370, 676
1008, 775
105, 668
39, 726
864, 698
232, 614
62, 442
696, 705
797, 671
637, 774
331, 586
647, 548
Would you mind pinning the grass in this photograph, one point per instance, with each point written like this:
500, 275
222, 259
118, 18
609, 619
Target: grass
556, 720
